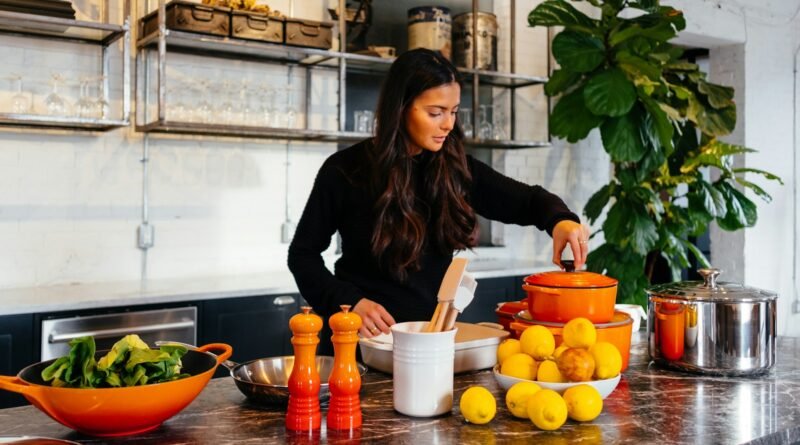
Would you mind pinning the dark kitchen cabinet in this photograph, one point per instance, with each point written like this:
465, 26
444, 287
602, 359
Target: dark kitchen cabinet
16, 352
489, 292
256, 327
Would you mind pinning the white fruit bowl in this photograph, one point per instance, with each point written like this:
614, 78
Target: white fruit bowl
604, 387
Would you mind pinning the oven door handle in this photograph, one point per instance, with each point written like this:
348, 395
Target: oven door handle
55, 337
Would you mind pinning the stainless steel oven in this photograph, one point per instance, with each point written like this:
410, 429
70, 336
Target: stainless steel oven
176, 324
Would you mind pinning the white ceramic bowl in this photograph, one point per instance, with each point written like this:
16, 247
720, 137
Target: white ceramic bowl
604, 387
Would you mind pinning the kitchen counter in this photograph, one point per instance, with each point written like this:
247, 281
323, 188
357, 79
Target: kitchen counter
650, 405
79, 296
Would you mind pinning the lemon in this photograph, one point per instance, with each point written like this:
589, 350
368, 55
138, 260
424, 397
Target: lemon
584, 403
548, 372
579, 333
547, 410
517, 398
607, 360
561, 348
478, 405
520, 365
508, 348
538, 342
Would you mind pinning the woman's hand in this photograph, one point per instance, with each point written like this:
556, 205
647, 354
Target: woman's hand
374, 318
574, 234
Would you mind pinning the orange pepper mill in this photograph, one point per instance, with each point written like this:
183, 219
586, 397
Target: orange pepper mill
344, 410
303, 412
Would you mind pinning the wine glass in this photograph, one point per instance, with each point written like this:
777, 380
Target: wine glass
54, 103
485, 127
465, 118
499, 116
102, 107
291, 111
228, 110
86, 108
20, 102
267, 99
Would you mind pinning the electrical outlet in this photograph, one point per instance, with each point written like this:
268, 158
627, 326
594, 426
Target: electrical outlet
146, 235
287, 232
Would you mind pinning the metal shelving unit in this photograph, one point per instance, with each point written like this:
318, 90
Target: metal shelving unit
164, 39
74, 31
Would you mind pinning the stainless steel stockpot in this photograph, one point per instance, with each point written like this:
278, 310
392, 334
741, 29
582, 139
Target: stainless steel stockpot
712, 327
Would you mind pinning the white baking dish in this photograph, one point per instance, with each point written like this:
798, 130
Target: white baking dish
476, 348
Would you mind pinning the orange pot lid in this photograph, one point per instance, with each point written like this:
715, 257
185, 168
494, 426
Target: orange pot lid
579, 279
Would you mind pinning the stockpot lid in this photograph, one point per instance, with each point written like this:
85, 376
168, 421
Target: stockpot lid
710, 290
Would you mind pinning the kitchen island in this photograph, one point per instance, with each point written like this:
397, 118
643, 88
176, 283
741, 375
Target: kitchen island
650, 405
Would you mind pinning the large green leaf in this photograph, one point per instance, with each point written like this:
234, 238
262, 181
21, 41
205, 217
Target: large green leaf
713, 154
561, 80
561, 13
664, 15
609, 93
571, 119
756, 171
741, 212
636, 66
704, 196
594, 207
701, 258
627, 224
761, 193
660, 122
622, 138
719, 96
577, 52
647, 5
681, 66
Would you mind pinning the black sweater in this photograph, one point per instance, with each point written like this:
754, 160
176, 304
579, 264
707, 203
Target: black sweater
339, 202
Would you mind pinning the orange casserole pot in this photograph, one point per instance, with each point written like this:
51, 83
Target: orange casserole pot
617, 331
561, 296
110, 412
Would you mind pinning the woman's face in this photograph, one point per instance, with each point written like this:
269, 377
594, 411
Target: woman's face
431, 117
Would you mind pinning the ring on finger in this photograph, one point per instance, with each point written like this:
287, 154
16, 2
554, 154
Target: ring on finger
583, 241
373, 330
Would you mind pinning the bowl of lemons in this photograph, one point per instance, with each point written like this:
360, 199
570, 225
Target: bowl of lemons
579, 360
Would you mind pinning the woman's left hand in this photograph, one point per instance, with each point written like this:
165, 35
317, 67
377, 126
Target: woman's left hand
574, 234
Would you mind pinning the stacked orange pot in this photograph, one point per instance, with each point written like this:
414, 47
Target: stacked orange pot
556, 297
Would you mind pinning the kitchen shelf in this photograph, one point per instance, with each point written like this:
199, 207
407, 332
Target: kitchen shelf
196, 128
195, 43
60, 122
33, 25
204, 129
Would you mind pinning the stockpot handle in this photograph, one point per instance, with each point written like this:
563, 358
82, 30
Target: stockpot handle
709, 277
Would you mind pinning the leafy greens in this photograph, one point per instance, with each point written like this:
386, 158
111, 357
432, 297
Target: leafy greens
130, 362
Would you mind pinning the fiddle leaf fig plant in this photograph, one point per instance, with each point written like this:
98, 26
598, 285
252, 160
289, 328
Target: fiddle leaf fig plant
660, 120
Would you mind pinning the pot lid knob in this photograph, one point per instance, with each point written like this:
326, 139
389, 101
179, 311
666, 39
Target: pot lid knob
709, 277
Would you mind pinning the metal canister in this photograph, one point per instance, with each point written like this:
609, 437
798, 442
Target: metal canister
430, 27
486, 41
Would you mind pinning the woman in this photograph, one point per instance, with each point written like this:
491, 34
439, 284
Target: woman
404, 201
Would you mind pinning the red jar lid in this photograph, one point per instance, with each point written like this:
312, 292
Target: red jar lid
580, 279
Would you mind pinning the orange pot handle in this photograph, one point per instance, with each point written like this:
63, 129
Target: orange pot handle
544, 290
227, 351
15, 384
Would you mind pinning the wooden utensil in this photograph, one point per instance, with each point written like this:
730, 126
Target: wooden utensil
446, 295
464, 295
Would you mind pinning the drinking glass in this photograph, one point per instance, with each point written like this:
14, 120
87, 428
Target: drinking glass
485, 130
499, 116
54, 103
205, 112
102, 107
20, 102
465, 118
291, 111
363, 121
85, 103
228, 109
267, 99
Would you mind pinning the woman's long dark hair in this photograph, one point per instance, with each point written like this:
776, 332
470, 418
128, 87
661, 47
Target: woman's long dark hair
401, 231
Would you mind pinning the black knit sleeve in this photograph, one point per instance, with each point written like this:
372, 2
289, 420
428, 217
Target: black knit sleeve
500, 198
313, 235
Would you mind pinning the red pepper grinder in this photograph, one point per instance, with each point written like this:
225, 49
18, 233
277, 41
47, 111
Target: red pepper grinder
303, 413
344, 410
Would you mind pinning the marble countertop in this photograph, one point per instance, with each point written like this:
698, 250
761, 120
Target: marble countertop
650, 405
129, 293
